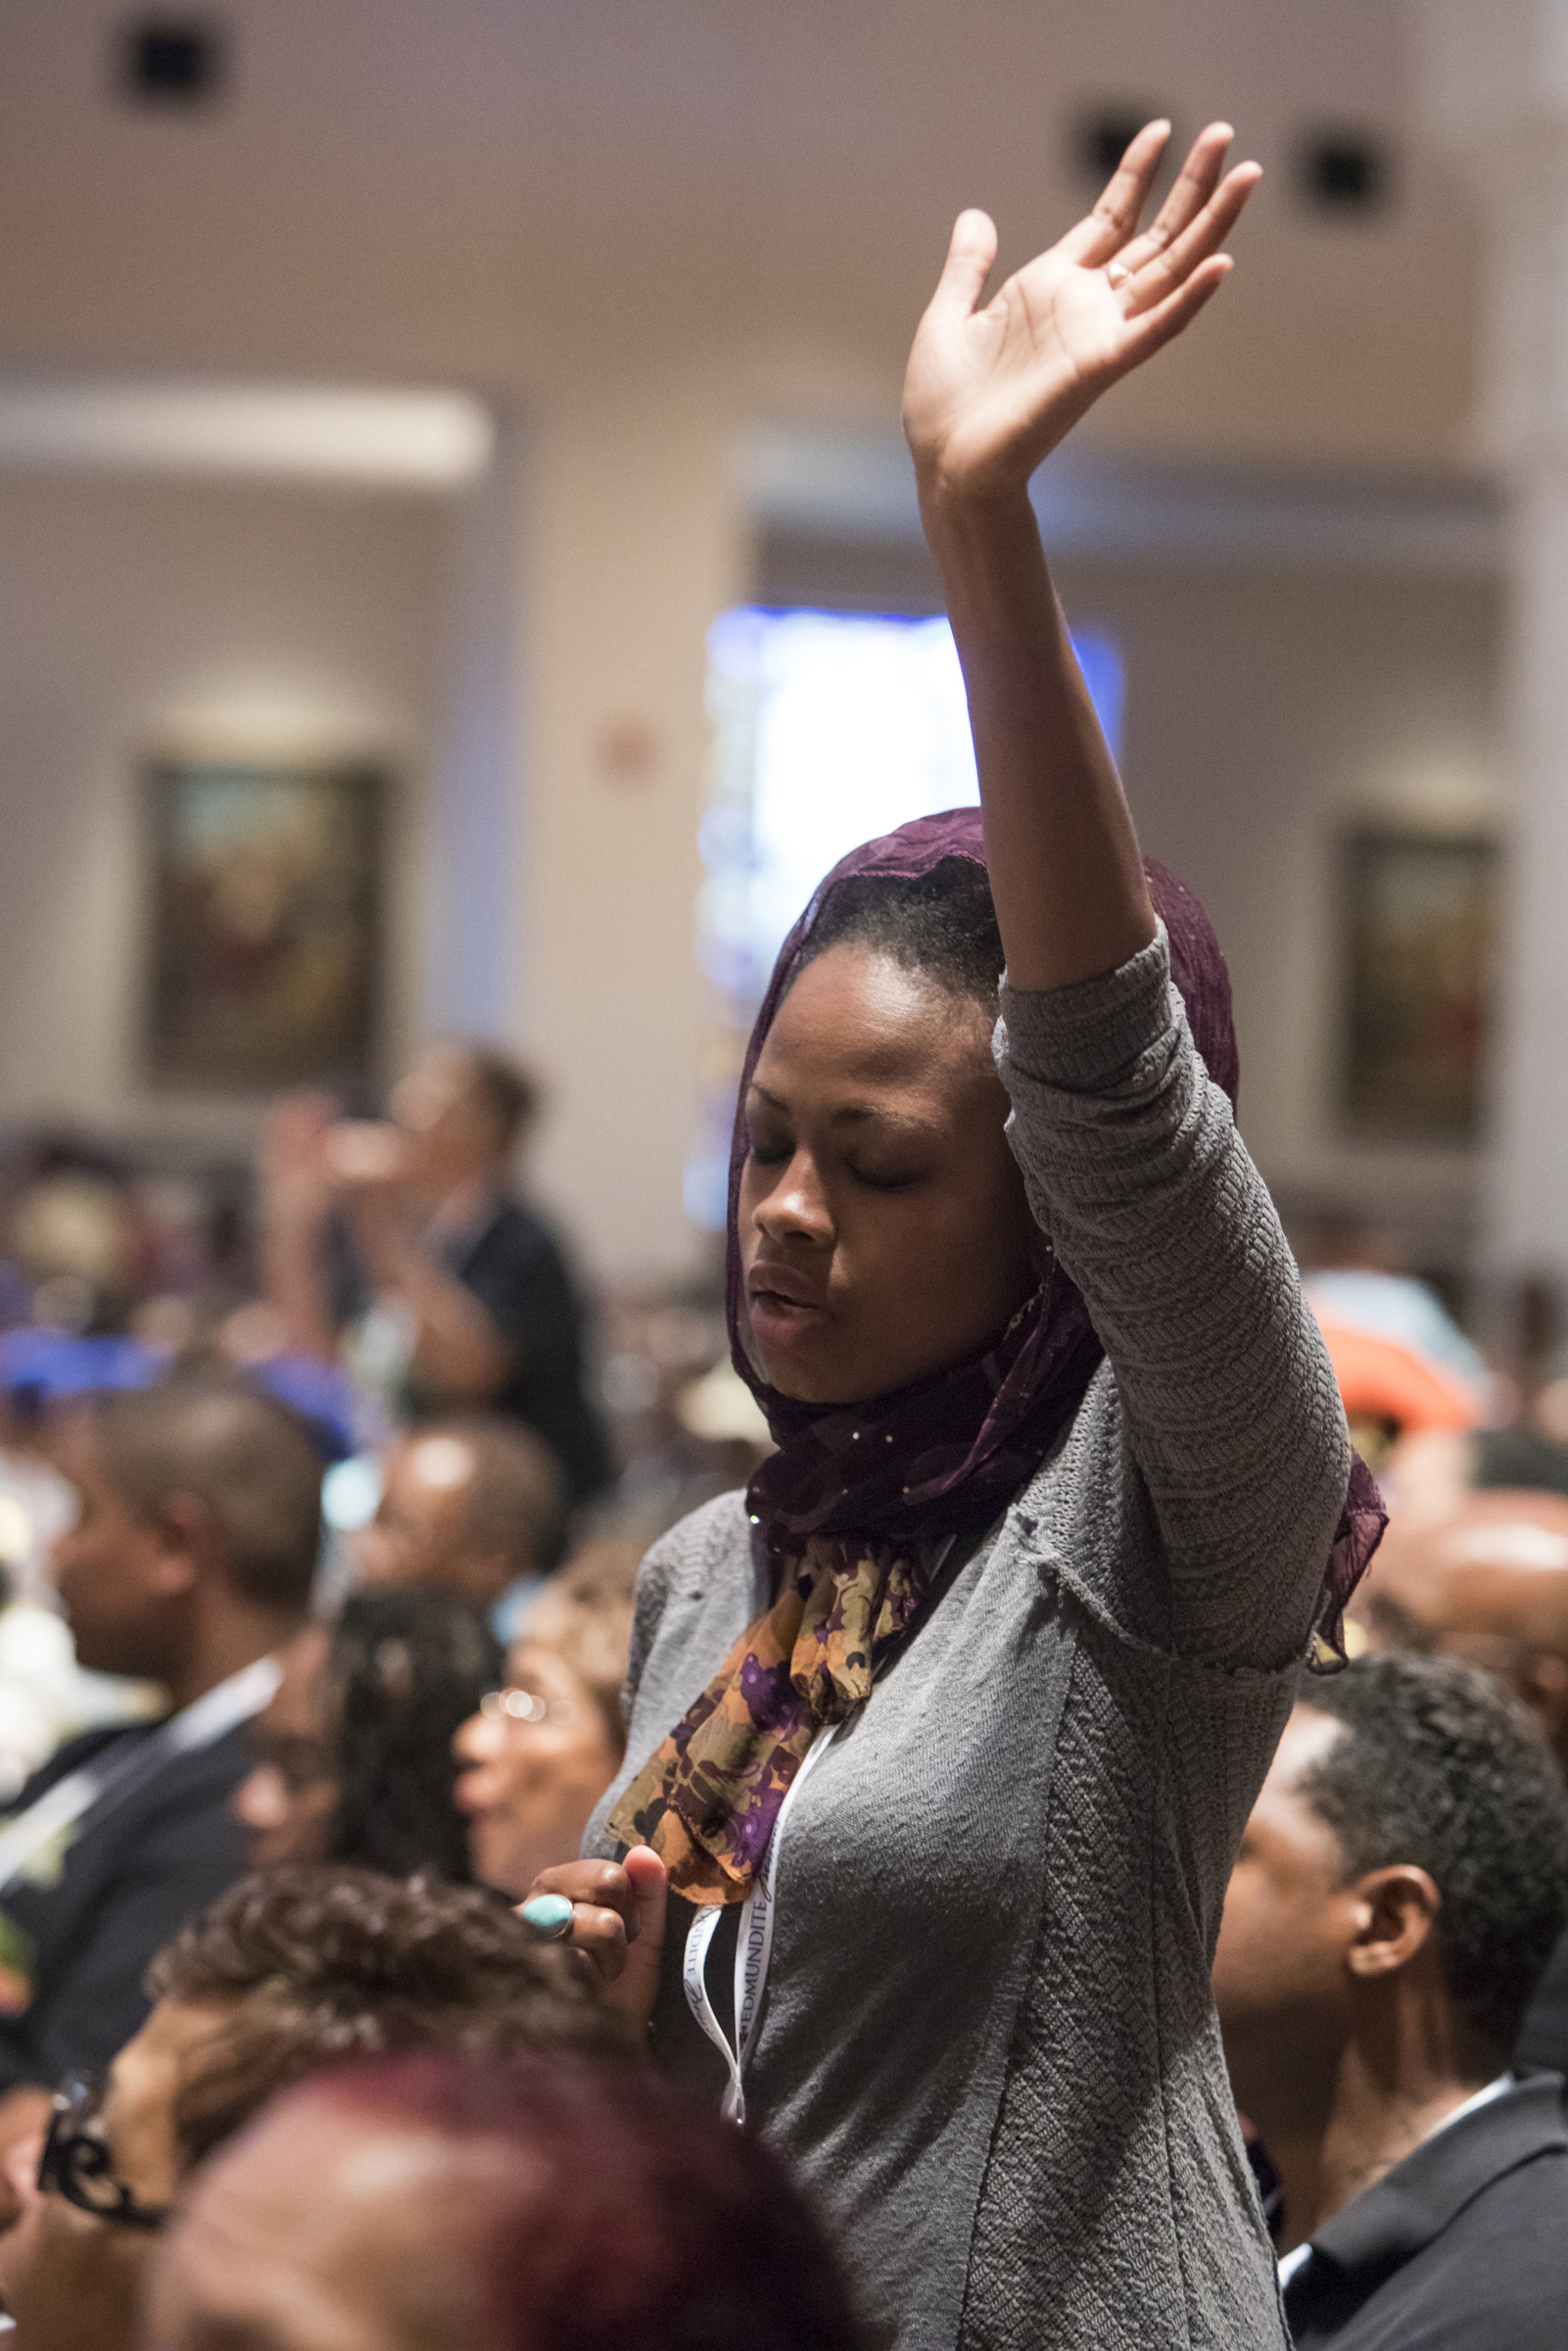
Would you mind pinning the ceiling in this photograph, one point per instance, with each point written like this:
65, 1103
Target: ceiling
467, 189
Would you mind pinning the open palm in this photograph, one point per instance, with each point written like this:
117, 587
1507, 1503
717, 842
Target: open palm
990, 391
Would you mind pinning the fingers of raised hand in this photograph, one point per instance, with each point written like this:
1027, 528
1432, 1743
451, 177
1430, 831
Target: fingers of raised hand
1144, 333
970, 254
1196, 182
1157, 278
1103, 231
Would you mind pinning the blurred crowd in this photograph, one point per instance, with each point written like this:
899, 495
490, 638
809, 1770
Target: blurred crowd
321, 1515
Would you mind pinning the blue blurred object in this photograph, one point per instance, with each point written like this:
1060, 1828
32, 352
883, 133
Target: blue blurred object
351, 1493
40, 1367
507, 1616
319, 1392
45, 1366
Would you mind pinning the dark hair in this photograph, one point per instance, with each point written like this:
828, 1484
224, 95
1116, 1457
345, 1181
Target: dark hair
942, 924
509, 1093
621, 2213
323, 1963
517, 1498
247, 1458
405, 1668
1442, 1769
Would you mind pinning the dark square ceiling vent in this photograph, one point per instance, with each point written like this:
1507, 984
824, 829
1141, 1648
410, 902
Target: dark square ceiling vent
172, 61
1344, 172
1101, 139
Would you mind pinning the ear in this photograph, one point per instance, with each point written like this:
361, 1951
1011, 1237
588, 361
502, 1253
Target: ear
185, 1544
1396, 1910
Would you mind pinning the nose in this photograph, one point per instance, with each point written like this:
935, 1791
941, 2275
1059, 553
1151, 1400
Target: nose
796, 1206
479, 1739
260, 1801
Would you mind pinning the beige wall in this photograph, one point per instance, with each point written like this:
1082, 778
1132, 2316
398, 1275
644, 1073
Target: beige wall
139, 618
545, 895
642, 225
638, 542
1268, 713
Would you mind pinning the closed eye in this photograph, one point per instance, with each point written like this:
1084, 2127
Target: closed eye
878, 1179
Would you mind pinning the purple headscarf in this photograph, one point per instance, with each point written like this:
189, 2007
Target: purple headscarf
951, 1449
855, 1505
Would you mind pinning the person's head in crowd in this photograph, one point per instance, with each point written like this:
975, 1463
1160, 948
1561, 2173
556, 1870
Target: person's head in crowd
285, 1974
355, 1756
1488, 1582
433, 2204
198, 1525
1396, 1896
462, 1110
537, 1757
471, 1505
860, 1239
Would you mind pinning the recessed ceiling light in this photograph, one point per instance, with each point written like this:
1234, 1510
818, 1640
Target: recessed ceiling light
172, 60
1101, 139
1344, 172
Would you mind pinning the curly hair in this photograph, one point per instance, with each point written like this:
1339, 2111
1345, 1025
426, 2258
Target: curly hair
1443, 1770
942, 924
405, 1667
312, 1965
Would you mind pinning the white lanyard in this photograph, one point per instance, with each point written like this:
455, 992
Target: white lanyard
753, 1950
128, 1764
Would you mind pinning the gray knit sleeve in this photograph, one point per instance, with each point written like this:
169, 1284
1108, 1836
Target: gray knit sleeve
1221, 1451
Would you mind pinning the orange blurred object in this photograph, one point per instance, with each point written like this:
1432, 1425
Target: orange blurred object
1382, 1382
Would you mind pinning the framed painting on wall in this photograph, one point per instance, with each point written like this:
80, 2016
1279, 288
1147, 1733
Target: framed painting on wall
265, 922
1421, 924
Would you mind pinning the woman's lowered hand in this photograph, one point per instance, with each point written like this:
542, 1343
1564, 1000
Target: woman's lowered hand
990, 391
617, 1921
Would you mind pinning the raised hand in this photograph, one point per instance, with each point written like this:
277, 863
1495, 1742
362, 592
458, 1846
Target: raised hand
990, 391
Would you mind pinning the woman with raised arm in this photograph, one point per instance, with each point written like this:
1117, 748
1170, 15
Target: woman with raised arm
941, 1737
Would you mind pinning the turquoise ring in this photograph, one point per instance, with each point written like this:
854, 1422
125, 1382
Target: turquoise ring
550, 1916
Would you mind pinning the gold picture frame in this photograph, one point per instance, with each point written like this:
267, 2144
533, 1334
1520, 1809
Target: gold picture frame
1422, 917
265, 887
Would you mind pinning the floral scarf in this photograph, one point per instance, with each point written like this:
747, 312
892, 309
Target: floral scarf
858, 1507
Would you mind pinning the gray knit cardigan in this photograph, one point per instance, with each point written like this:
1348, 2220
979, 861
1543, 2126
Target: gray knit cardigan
986, 2044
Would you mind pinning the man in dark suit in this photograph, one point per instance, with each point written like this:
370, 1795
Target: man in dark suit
1398, 1889
190, 1565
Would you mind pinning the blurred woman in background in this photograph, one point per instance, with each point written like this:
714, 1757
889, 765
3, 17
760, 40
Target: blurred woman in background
356, 1761
537, 1757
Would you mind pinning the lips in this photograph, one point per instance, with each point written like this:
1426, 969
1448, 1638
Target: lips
784, 1308
777, 1288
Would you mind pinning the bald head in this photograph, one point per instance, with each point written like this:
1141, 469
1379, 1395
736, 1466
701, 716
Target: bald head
468, 1505
322, 2229
1489, 1582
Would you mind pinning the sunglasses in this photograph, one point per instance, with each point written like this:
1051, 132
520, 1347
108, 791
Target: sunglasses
78, 2162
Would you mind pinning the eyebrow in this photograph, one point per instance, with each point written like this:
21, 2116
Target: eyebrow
855, 1113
